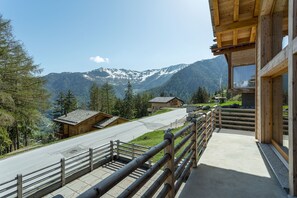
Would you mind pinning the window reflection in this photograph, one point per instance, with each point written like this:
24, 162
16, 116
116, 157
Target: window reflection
244, 76
285, 112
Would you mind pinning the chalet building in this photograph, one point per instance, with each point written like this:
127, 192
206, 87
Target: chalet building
83, 121
160, 102
258, 40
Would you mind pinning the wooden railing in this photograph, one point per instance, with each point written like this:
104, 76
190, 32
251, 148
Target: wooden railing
54, 176
233, 118
174, 166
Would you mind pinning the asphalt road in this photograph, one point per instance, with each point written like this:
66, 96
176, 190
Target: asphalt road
35, 159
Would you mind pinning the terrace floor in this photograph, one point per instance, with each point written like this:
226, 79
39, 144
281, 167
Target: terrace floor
232, 166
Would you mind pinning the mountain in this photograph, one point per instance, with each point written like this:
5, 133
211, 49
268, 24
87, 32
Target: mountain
178, 80
80, 82
211, 74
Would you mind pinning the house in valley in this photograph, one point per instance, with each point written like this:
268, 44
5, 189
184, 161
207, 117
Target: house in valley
161, 102
83, 121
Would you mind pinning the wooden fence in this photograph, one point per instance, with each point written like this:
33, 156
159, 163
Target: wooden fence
175, 165
45, 180
242, 119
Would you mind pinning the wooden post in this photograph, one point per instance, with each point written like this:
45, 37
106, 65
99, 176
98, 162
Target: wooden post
63, 171
220, 117
170, 164
118, 149
133, 151
91, 159
111, 150
205, 130
19, 186
292, 98
194, 139
277, 109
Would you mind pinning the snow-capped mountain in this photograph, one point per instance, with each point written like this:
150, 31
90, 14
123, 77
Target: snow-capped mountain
80, 82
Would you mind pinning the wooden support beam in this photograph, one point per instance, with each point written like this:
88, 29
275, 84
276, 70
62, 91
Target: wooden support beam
253, 34
257, 8
266, 109
292, 98
229, 61
276, 65
236, 10
267, 7
237, 25
277, 109
225, 50
219, 40
216, 12
294, 46
235, 35
277, 33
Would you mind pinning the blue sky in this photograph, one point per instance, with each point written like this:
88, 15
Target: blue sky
81, 35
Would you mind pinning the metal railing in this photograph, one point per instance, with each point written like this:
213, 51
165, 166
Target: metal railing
182, 151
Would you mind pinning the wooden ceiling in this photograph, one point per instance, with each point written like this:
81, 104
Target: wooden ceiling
235, 22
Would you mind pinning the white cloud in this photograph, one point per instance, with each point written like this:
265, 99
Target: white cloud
99, 59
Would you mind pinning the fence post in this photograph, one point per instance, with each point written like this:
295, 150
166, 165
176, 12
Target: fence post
220, 117
133, 151
111, 150
170, 164
91, 159
63, 171
205, 130
118, 149
20, 185
194, 139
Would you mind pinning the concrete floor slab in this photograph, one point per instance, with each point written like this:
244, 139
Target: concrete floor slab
232, 166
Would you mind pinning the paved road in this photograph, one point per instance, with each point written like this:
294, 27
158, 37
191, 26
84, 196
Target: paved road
32, 160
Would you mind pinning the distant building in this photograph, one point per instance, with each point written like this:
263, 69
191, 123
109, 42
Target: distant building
160, 102
83, 121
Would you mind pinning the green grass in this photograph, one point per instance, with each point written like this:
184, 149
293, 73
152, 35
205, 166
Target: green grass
160, 111
153, 138
227, 103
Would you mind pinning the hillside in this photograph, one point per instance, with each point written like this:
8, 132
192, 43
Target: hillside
207, 73
180, 80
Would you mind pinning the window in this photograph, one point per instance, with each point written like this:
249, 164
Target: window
244, 76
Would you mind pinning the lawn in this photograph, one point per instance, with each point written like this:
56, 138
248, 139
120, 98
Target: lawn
153, 138
227, 103
163, 110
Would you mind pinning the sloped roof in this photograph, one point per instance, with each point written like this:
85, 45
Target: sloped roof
103, 123
77, 116
163, 99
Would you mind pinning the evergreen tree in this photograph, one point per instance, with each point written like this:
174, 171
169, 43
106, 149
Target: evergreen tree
59, 106
95, 101
70, 103
200, 96
128, 102
141, 104
22, 92
107, 98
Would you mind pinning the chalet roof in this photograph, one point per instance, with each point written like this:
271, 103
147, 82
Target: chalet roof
107, 121
235, 22
163, 99
77, 116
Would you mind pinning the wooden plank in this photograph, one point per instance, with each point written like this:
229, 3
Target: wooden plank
253, 34
277, 109
280, 150
257, 8
248, 23
278, 63
294, 46
235, 34
219, 40
244, 57
216, 12
219, 51
277, 33
266, 109
267, 7
236, 10
292, 98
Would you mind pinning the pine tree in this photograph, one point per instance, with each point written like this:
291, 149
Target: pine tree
128, 102
59, 105
70, 103
95, 101
200, 96
107, 98
23, 96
